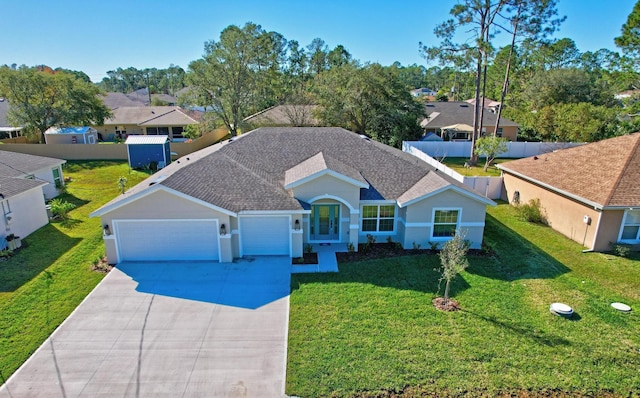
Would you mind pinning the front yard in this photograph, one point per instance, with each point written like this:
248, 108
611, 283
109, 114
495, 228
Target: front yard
49, 277
371, 330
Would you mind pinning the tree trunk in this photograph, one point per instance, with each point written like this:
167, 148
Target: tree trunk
505, 85
473, 158
446, 292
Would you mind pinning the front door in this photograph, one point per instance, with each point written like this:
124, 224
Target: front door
325, 219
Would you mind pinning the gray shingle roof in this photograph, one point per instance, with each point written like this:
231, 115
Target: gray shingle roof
319, 163
14, 186
14, 164
449, 113
249, 172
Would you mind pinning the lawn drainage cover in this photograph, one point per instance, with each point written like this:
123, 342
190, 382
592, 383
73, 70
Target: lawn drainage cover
621, 307
561, 309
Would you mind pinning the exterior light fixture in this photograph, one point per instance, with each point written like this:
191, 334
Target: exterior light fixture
296, 225
106, 230
223, 229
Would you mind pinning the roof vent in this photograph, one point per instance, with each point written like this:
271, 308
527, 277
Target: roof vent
464, 105
431, 106
364, 137
157, 180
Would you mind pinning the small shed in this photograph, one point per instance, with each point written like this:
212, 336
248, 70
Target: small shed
148, 151
71, 135
431, 137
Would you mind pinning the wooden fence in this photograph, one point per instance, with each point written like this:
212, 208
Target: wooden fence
105, 151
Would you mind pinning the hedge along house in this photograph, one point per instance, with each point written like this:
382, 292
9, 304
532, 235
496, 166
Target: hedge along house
589, 193
145, 151
272, 190
71, 135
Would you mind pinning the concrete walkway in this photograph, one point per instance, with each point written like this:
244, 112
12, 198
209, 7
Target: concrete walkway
169, 330
327, 261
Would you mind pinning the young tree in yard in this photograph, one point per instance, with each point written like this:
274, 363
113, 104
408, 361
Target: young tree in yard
453, 258
490, 146
42, 99
122, 184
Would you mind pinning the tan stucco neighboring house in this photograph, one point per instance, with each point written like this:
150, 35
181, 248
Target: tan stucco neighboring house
589, 193
147, 120
270, 191
443, 114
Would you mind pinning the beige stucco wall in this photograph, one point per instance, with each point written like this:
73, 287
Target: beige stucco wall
107, 129
418, 220
328, 187
164, 205
564, 215
508, 132
608, 230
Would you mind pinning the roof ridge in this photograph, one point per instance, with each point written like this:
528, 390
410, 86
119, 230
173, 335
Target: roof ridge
157, 116
622, 169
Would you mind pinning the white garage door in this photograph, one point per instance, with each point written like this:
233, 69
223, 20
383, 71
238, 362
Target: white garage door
265, 235
158, 240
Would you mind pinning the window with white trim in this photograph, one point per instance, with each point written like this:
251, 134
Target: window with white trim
631, 226
57, 179
445, 223
378, 218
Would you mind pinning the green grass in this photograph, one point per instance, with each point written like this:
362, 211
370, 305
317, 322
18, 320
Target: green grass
457, 164
371, 329
49, 277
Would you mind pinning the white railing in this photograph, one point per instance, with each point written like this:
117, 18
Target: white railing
456, 149
491, 187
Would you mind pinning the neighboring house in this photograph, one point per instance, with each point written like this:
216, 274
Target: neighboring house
627, 94
270, 191
148, 120
39, 168
284, 115
488, 103
22, 206
142, 96
443, 114
71, 135
423, 92
589, 193
6, 129
119, 100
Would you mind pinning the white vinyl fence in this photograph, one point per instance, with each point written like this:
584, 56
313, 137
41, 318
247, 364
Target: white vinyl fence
456, 149
491, 187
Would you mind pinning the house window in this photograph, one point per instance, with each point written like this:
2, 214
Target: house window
499, 133
57, 180
177, 131
378, 218
631, 226
152, 131
445, 223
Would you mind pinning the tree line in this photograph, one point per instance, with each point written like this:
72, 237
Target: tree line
554, 91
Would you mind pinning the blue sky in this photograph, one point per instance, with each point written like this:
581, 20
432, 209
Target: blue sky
97, 36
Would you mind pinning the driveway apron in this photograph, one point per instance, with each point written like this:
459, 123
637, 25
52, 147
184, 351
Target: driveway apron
174, 329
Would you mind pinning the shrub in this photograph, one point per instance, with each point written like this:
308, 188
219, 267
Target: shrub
621, 249
370, 241
434, 246
416, 246
531, 212
308, 248
60, 209
351, 248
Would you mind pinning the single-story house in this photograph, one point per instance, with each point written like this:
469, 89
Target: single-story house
32, 167
443, 114
22, 206
147, 120
270, 191
7, 130
589, 193
71, 135
284, 115
143, 150
423, 92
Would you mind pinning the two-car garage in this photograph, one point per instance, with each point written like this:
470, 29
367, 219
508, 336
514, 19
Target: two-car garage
167, 240
198, 240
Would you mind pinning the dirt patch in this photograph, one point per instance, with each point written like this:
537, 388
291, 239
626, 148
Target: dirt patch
102, 266
449, 305
307, 258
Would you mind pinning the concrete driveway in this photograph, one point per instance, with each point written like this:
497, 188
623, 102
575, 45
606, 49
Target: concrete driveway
169, 330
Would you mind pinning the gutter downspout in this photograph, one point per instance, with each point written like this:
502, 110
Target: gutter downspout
595, 234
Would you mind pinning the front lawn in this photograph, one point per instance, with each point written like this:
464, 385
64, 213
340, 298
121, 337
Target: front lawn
371, 329
51, 274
